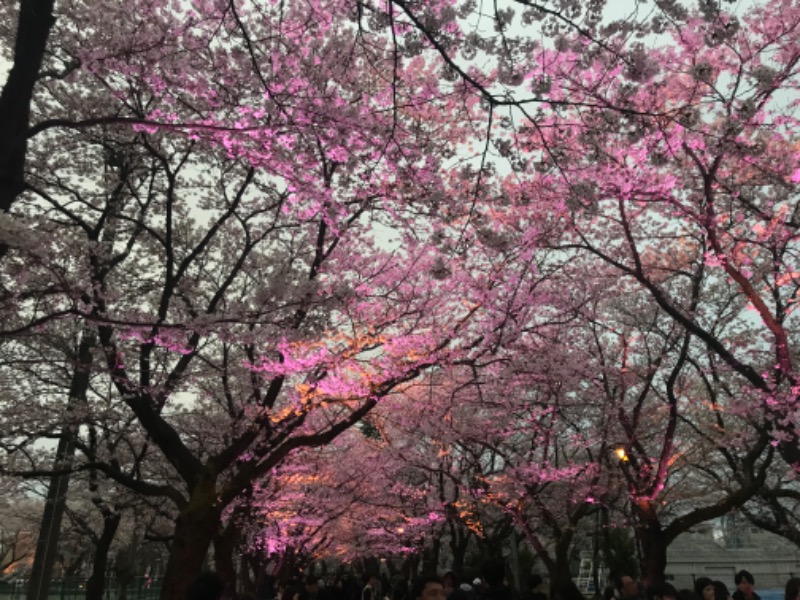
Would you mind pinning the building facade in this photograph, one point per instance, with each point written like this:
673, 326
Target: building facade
720, 555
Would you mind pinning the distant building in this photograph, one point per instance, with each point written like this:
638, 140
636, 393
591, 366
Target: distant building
770, 558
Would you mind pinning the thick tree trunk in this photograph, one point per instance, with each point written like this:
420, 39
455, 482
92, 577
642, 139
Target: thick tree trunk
654, 559
558, 568
96, 584
459, 542
195, 529
555, 560
410, 567
287, 566
371, 565
430, 555
224, 548
33, 28
653, 543
513, 574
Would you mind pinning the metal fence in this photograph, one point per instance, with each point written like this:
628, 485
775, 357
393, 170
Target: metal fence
74, 588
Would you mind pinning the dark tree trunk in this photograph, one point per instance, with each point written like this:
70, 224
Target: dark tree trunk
96, 584
33, 28
459, 542
289, 566
371, 565
195, 529
410, 567
250, 575
558, 568
224, 549
430, 555
653, 543
47, 542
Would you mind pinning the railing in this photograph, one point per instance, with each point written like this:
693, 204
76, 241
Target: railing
74, 588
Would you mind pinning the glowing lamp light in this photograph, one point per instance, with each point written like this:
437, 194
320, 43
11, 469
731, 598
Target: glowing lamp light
621, 454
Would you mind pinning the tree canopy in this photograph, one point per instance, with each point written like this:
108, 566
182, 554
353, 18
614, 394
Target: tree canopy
355, 276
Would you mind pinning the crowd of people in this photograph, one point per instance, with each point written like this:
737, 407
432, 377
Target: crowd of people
624, 587
491, 586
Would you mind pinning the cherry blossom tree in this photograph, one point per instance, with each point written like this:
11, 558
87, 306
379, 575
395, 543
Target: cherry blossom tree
775, 509
17, 533
690, 173
283, 289
681, 143
683, 457
267, 219
284, 293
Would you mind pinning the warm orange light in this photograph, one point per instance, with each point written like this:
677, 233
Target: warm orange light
621, 454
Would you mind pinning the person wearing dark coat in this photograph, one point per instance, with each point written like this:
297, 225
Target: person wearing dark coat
792, 589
